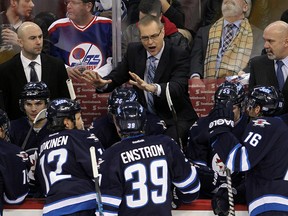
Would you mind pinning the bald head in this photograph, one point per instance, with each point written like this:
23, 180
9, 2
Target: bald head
280, 27
276, 40
27, 27
30, 39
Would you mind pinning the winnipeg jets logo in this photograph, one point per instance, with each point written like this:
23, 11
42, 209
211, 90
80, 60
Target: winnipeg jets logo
260, 122
88, 53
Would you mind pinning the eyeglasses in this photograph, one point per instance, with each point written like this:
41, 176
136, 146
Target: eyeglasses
152, 37
66, 2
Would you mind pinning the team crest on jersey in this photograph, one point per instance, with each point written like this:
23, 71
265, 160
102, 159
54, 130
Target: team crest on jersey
260, 122
218, 166
88, 53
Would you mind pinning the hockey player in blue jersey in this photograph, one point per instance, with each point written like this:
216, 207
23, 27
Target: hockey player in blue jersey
261, 152
64, 165
33, 99
137, 172
210, 167
13, 178
104, 127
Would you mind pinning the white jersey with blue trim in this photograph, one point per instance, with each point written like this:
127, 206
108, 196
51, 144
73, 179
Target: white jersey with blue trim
263, 154
91, 44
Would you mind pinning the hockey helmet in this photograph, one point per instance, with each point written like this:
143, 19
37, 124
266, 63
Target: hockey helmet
230, 91
118, 96
268, 98
34, 91
130, 118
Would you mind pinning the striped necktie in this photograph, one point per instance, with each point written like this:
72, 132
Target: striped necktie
228, 37
150, 77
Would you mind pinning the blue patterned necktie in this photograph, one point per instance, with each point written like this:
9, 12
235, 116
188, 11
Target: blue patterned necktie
150, 77
33, 74
279, 73
228, 37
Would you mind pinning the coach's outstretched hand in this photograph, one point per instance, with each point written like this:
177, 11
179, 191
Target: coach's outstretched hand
95, 79
221, 118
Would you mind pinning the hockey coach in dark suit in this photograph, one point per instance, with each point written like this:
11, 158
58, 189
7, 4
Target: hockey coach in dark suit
167, 64
30, 66
272, 69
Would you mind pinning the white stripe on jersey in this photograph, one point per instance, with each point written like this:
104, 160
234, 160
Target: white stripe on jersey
111, 201
245, 163
231, 157
266, 200
16, 201
68, 202
188, 181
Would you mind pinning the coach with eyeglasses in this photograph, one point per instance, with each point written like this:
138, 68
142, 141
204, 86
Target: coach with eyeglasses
149, 66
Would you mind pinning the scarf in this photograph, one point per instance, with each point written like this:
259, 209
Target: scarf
235, 57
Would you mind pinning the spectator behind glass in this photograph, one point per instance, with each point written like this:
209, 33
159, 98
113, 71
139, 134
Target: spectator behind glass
171, 65
81, 37
154, 8
200, 13
30, 65
210, 58
17, 11
170, 8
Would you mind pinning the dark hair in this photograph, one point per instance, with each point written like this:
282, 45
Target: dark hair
92, 2
150, 6
284, 16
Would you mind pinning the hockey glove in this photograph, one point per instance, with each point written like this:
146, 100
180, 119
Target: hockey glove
221, 118
220, 203
176, 202
210, 179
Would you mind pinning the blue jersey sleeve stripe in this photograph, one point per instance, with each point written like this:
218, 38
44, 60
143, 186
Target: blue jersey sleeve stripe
273, 202
244, 163
231, 157
194, 190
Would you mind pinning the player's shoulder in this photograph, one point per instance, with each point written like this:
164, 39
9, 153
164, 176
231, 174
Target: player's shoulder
272, 124
7, 148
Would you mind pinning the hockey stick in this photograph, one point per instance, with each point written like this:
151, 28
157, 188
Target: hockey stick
174, 114
96, 180
230, 192
39, 117
71, 89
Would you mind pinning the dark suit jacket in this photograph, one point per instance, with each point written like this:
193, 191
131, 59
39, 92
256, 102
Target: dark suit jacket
200, 43
262, 72
173, 67
13, 80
